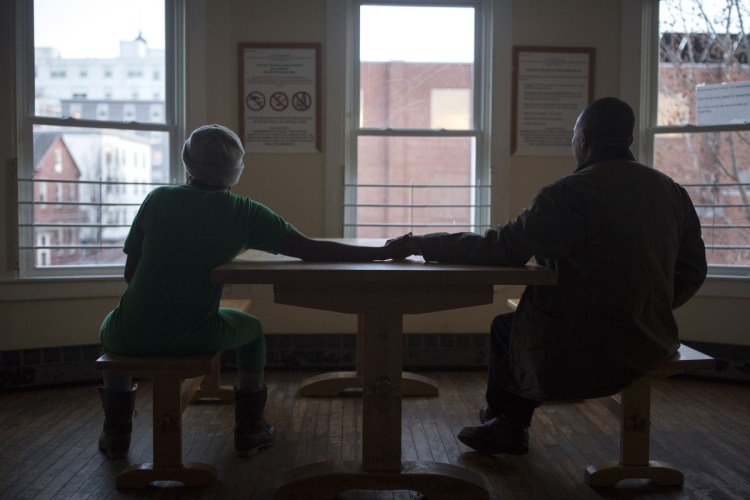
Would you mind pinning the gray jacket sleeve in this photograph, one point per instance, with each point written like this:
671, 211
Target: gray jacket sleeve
548, 228
691, 267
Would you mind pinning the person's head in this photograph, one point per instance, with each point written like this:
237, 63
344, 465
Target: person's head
605, 123
213, 156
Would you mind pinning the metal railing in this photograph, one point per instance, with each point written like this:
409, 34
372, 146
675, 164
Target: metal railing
724, 212
723, 209
83, 214
401, 202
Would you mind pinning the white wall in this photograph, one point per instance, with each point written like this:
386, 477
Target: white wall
294, 185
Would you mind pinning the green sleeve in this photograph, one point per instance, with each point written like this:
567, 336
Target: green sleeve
269, 230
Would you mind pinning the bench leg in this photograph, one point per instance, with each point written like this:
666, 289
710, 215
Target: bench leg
167, 444
191, 474
635, 423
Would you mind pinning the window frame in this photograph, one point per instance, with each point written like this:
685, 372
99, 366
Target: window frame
639, 83
173, 126
342, 153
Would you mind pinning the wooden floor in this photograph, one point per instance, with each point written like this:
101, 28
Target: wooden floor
48, 442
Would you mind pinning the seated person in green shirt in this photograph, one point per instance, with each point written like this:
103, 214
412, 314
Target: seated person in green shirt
171, 307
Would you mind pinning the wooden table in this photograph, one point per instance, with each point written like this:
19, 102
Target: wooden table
380, 293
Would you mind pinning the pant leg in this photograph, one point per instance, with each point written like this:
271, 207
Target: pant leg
499, 342
117, 381
114, 380
501, 401
231, 329
245, 333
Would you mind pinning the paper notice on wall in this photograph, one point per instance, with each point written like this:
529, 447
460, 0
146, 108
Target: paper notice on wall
552, 89
280, 100
722, 103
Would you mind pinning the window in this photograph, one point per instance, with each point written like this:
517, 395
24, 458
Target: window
58, 161
698, 118
418, 138
83, 159
102, 111
128, 111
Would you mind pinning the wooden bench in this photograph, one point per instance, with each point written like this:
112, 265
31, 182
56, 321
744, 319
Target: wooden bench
210, 387
177, 382
633, 407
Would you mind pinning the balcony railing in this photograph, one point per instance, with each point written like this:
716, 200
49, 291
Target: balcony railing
724, 213
64, 222
91, 229
398, 208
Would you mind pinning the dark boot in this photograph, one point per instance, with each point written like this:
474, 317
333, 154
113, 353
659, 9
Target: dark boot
497, 435
486, 413
118, 421
251, 431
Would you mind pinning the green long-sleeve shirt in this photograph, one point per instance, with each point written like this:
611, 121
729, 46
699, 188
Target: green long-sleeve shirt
178, 236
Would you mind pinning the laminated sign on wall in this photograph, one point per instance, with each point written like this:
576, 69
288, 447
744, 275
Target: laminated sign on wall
722, 103
551, 86
279, 93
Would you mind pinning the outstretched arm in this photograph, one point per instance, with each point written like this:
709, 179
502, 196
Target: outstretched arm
300, 246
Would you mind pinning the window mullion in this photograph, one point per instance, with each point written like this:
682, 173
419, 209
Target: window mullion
687, 129
414, 132
98, 124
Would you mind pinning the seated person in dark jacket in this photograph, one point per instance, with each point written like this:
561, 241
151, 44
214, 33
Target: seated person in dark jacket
626, 243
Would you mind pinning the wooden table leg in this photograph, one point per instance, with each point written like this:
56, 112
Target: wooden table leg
334, 383
381, 467
436, 481
381, 397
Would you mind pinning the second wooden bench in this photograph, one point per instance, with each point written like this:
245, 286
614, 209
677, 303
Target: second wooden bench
633, 407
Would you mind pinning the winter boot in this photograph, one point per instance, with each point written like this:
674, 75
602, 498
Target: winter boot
497, 435
118, 421
251, 431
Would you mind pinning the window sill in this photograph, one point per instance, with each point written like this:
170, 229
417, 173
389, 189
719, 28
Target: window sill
61, 288
737, 287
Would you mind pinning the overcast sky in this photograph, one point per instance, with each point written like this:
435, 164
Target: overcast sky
444, 34
60, 24
417, 34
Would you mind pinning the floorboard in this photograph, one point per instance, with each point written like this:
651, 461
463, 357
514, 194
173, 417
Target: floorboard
48, 442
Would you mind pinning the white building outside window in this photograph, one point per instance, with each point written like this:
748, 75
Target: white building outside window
104, 199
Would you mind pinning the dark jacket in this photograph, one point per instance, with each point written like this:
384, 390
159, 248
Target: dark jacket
626, 242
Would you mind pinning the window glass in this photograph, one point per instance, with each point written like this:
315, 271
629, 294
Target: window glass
73, 58
704, 84
98, 137
423, 185
104, 172
417, 159
405, 56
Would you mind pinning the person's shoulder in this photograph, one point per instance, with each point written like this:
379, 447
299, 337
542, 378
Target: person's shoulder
245, 200
165, 189
246, 203
647, 171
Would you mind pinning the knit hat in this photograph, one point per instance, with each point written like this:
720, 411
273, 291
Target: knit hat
213, 155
